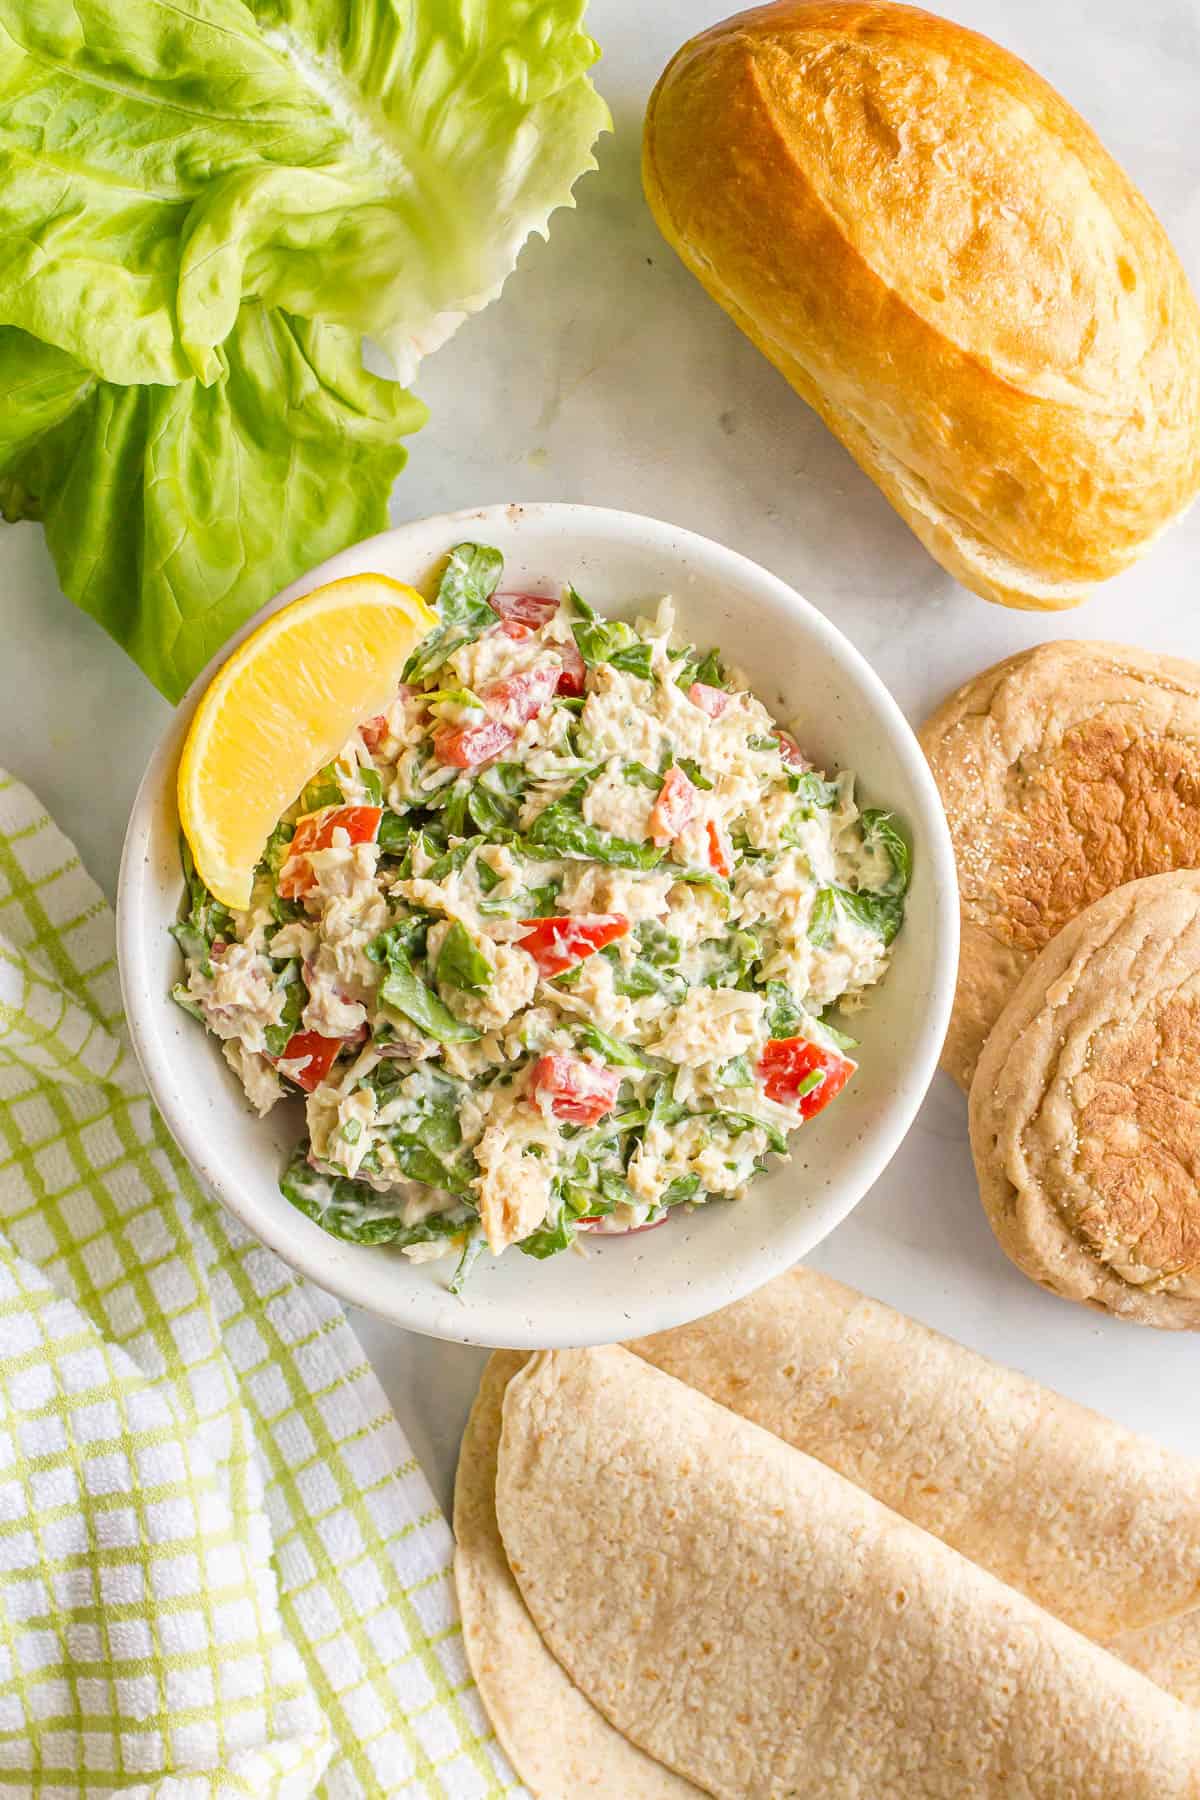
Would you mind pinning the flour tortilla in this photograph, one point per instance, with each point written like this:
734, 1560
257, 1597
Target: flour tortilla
1097, 1524
766, 1628
562, 1748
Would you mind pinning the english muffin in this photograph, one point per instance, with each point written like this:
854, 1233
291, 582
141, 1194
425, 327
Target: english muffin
1065, 772
1085, 1108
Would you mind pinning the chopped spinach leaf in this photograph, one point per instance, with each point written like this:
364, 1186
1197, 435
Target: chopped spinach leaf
471, 575
664, 1108
695, 773
620, 1055
738, 1122
732, 959
842, 1039
813, 789
181, 997
461, 963
822, 920
295, 998
710, 670
403, 989
527, 903
612, 641
634, 659
561, 830
454, 812
705, 669
206, 919
474, 1245
556, 1232
658, 945
684, 1187
278, 850
395, 833
408, 934
641, 977
354, 1212
495, 797
879, 827
703, 878
883, 913
784, 1017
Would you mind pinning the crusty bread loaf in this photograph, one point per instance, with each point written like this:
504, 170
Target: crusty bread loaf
943, 260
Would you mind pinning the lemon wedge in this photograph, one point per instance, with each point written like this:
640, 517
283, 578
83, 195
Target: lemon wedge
280, 708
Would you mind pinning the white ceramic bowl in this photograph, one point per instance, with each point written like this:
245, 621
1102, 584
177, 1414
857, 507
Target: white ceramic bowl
812, 679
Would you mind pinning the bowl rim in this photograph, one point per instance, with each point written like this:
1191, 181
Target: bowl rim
419, 1311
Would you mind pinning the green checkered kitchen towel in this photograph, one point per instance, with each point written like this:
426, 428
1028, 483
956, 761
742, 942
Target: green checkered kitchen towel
221, 1571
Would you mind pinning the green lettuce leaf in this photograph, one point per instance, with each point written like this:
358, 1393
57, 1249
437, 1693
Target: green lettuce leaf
204, 208
172, 513
376, 163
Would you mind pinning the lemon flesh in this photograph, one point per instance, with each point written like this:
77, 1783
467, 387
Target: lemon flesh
281, 707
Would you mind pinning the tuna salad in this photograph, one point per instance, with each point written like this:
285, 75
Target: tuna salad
553, 945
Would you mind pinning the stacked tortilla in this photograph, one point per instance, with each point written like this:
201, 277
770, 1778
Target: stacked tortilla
810, 1548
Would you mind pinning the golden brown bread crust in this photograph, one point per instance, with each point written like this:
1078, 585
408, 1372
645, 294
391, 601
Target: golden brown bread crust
1064, 771
1084, 1122
943, 260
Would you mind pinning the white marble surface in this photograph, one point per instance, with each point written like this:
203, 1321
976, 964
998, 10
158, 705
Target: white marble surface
605, 374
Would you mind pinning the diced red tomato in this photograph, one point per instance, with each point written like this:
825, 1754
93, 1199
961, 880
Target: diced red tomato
579, 1092
512, 628
787, 1063
673, 809
515, 699
526, 609
315, 832
574, 670
718, 850
710, 700
468, 746
559, 943
791, 752
321, 1053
